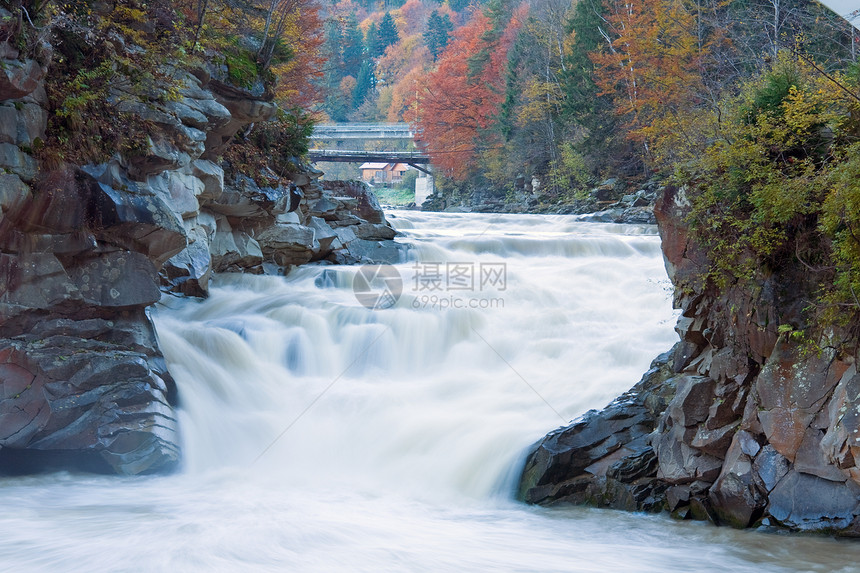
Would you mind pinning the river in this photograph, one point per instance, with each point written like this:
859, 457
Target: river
323, 435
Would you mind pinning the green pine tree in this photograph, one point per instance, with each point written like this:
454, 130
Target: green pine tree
371, 41
353, 47
387, 33
438, 33
583, 106
364, 83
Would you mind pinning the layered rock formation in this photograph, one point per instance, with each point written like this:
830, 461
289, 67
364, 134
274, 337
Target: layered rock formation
86, 249
740, 424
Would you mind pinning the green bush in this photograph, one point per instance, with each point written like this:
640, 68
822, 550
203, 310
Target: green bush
781, 186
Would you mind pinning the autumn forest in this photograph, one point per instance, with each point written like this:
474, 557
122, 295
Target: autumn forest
570, 91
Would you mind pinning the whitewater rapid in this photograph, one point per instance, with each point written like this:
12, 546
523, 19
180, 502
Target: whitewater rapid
321, 435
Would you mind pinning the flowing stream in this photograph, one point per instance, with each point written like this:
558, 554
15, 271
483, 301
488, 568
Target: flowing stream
320, 435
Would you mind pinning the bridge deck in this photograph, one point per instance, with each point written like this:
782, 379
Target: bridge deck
342, 156
341, 131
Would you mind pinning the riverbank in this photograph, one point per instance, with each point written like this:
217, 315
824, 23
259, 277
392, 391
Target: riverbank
742, 424
612, 201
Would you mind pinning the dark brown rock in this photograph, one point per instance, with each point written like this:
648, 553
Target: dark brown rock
63, 392
138, 222
118, 279
18, 79
603, 458
367, 207
735, 496
692, 401
802, 501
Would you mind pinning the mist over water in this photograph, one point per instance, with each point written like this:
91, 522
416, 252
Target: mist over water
320, 435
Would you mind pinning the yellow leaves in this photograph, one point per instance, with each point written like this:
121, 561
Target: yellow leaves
542, 98
569, 44
680, 135
814, 106
568, 172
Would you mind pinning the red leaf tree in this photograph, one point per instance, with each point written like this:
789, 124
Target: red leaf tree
454, 107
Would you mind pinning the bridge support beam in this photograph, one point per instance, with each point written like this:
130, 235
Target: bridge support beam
419, 168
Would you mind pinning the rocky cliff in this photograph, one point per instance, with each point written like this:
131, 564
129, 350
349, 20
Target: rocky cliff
741, 423
85, 250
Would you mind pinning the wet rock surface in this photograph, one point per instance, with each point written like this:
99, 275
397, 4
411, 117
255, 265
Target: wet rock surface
751, 428
605, 458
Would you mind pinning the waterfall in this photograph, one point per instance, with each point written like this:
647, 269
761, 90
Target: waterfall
322, 435
505, 327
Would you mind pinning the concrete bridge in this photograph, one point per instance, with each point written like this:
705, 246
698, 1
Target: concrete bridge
340, 132
344, 131
413, 158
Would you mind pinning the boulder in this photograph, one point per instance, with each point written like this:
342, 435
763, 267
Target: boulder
34, 281
244, 199
770, 467
735, 496
366, 207
243, 107
188, 112
374, 232
188, 272
692, 400
179, 191
810, 503
8, 124
212, 177
14, 193
604, 455
22, 123
790, 392
323, 234
841, 442
233, 251
288, 244
200, 101
16, 161
118, 279
18, 79
159, 154
811, 458
324, 208
137, 222
375, 252
74, 391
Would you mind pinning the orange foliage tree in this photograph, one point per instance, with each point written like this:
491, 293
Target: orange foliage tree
407, 54
652, 67
297, 77
455, 106
411, 18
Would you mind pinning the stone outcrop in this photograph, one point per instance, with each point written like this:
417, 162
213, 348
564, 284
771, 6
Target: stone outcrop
85, 250
605, 458
752, 427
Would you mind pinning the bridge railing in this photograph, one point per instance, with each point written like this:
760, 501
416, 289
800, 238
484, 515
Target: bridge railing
340, 155
363, 131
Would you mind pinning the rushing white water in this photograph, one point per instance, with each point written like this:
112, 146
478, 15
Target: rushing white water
320, 435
